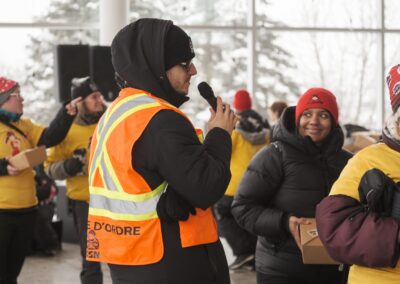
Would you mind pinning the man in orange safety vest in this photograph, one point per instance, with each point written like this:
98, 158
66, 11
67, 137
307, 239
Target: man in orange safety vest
152, 176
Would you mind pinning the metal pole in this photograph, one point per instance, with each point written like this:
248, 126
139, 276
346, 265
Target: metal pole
382, 79
113, 16
252, 55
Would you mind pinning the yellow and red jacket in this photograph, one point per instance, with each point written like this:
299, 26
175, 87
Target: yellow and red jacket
123, 225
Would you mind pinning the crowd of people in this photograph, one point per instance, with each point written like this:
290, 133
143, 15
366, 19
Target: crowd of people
151, 195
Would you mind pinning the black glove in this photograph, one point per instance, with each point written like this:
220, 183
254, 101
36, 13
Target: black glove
172, 207
376, 191
80, 154
3, 167
73, 166
43, 189
396, 203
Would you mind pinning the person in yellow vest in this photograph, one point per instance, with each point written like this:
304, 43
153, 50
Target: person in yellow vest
67, 161
18, 200
352, 231
249, 136
152, 178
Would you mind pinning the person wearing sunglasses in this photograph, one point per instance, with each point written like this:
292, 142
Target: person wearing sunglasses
18, 200
152, 178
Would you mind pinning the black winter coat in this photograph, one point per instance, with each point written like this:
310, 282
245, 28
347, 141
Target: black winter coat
169, 150
288, 177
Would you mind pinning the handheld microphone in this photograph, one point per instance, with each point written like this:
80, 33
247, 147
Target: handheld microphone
208, 94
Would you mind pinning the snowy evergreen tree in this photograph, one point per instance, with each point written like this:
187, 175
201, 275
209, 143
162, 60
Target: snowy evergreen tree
221, 55
41, 99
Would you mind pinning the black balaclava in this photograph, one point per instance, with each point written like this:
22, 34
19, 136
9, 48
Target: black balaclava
138, 56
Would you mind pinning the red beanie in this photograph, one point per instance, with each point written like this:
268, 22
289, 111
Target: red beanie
7, 86
393, 82
317, 98
242, 101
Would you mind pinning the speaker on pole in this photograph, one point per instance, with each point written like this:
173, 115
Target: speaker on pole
102, 71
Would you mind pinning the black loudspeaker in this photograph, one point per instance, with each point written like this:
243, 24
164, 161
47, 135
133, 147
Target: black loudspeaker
102, 71
71, 61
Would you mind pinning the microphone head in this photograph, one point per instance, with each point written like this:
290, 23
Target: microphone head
205, 90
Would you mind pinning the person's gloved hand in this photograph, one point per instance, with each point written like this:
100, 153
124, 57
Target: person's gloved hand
396, 203
376, 190
81, 155
73, 166
172, 207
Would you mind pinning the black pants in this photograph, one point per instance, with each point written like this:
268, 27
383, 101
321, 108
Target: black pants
91, 271
273, 279
241, 241
45, 237
16, 231
287, 268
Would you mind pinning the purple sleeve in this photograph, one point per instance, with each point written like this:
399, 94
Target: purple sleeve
352, 235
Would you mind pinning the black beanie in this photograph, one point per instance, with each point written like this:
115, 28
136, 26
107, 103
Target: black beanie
178, 47
82, 87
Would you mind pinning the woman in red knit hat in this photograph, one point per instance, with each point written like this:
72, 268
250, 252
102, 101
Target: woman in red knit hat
283, 184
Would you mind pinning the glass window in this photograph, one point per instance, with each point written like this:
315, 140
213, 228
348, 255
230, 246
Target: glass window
344, 63
221, 60
391, 14
194, 12
318, 13
29, 59
31, 11
21, 10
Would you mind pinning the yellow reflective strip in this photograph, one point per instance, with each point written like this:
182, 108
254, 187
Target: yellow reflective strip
101, 174
127, 196
121, 216
110, 130
105, 120
126, 114
121, 102
111, 171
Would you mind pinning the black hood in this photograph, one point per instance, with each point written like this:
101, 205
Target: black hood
138, 57
286, 131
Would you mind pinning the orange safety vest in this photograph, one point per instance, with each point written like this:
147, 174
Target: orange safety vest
123, 225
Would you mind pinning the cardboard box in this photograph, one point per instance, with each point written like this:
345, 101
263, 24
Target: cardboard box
362, 139
29, 158
312, 248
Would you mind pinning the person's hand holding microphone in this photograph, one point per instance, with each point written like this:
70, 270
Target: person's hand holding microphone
221, 114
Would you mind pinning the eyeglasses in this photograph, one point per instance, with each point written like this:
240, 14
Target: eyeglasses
186, 65
16, 94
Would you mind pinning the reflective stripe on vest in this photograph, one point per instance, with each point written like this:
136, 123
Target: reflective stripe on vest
123, 108
123, 226
122, 206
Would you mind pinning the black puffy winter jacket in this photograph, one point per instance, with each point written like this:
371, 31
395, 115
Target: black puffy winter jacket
288, 177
